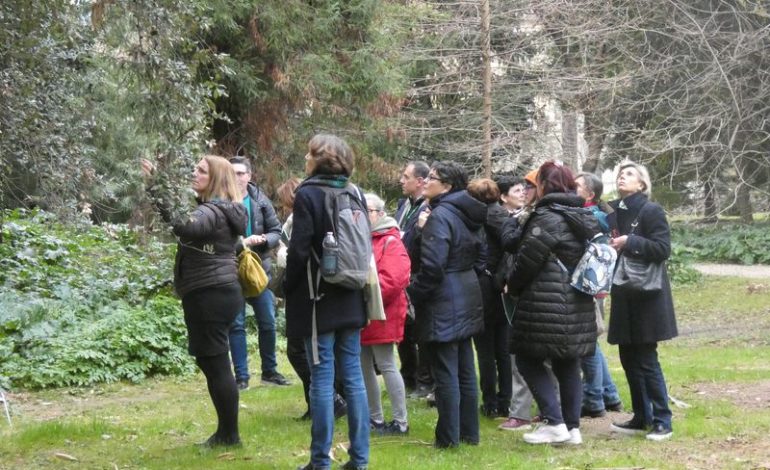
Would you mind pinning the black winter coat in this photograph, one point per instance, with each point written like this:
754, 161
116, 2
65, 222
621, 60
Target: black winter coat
205, 255
446, 291
552, 319
339, 308
410, 232
641, 318
265, 222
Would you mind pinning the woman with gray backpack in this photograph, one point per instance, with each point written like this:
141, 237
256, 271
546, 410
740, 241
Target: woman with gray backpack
326, 314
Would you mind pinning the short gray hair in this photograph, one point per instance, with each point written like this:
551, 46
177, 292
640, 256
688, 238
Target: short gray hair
375, 202
593, 183
644, 175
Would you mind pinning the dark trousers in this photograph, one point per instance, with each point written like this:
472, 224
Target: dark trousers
454, 371
567, 373
295, 351
415, 367
649, 396
492, 352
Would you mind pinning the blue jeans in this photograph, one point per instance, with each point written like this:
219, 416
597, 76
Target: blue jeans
454, 371
599, 390
345, 347
264, 311
649, 396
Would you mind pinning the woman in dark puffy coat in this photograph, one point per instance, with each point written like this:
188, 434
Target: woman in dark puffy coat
332, 328
206, 278
638, 320
553, 320
447, 297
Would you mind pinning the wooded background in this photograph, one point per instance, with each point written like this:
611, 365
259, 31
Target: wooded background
89, 87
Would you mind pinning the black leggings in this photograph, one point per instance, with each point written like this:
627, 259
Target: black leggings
224, 395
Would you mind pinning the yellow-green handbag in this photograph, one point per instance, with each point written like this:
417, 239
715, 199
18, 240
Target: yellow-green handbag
251, 274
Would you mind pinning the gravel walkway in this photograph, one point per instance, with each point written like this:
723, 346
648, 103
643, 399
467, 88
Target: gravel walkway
737, 270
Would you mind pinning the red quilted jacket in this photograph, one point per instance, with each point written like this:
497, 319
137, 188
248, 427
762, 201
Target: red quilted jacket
393, 267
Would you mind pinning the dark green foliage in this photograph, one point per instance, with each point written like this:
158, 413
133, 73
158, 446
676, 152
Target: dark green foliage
84, 304
726, 242
679, 266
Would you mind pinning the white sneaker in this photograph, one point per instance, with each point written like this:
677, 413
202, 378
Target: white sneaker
575, 438
548, 434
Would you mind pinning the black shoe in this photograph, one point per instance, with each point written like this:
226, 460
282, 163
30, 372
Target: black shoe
309, 466
340, 407
431, 399
393, 429
242, 384
489, 411
659, 433
586, 413
350, 466
304, 417
629, 428
376, 426
216, 441
275, 378
614, 407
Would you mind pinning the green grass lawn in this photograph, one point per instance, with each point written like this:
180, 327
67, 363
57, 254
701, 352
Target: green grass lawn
719, 367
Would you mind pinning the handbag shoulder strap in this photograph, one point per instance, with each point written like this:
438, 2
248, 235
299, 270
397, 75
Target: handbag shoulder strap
636, 220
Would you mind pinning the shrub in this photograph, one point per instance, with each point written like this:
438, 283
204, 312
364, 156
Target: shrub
725, 243
83, 304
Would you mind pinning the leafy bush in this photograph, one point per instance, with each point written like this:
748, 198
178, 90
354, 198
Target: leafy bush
53, 343
723, 243
83, 304
679, 265
96, 264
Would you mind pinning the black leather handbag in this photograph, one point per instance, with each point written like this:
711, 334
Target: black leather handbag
638, 275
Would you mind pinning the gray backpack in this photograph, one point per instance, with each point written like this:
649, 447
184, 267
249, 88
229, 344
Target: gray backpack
346, 209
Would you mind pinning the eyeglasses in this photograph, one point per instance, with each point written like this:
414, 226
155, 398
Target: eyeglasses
373, 210
434, 178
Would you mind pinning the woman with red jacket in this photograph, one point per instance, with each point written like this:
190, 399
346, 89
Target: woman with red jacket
379, 337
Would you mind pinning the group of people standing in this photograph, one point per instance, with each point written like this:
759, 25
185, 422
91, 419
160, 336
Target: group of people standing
462, 263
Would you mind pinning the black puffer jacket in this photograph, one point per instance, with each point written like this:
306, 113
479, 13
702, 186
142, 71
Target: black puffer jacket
205, 255
446, 291
552, 319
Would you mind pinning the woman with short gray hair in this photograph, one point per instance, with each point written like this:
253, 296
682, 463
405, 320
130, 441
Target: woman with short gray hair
379, 337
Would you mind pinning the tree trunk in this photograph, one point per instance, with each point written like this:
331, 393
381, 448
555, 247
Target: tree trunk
743, 192
486, 158
569, 137
595, 138
710, 208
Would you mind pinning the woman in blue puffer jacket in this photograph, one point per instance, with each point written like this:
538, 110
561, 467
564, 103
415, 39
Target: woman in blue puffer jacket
447, 297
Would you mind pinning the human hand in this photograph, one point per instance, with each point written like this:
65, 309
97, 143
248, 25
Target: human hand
423, 217
255, 240
619, 242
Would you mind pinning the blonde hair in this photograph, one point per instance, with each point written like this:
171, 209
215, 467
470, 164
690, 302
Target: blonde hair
222, 182
644, 175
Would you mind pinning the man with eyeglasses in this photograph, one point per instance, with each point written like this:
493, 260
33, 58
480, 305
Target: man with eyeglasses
414, 368
262, 235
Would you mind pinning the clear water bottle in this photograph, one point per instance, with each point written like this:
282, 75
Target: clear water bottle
329, 255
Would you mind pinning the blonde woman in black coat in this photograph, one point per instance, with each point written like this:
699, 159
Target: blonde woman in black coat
206, 278
639, 320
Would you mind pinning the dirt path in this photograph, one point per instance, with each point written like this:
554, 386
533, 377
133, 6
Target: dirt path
738, 270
